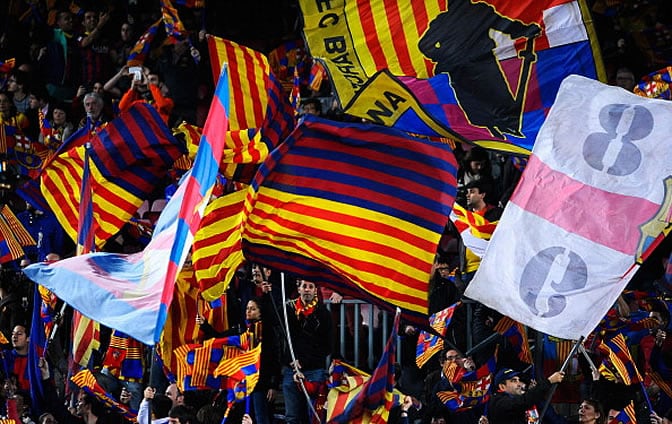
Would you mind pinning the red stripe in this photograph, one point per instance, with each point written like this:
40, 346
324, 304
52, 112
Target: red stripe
421, 18
361, 266
372, 40
582, 209
404, 184
373, 196
401, 47
236, 81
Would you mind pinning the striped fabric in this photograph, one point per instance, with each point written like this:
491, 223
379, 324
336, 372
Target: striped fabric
464, 401
128, 158
477, 66
217, 244
248, 81
617, 358
140, 51
260, 117
517, 336
196, 363
87, 381
358, 207
181, 328
85, 338
372, 400
175, 30
430, 344
124, 358
13, 236
626, 416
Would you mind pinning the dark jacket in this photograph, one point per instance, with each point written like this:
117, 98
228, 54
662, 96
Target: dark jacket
504, 408
311, 337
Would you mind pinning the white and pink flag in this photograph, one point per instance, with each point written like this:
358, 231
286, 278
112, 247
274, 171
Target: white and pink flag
593, 198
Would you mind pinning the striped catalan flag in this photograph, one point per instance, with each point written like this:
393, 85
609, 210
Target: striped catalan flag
87, 382
181, 328
196, 363
217, 244
430, 344
14, 236
355, 397
474, 229
358, 207
261, 115
248, 81
85, 339
617, 358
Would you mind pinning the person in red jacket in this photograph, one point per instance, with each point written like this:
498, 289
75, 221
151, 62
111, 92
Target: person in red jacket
147, 88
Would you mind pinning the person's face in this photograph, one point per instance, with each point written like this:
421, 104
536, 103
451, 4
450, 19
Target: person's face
476, 165
126, 32
443, 270
307, 291
587, 413
81, 406
90, 21
98, 88
513, 386
440, 420
59, 116
19, 337
174, 394
48, 419
33, 102
92, 107
474, 197
625, 80
5, 104
454, 356
310, 109
153, 79
12, 85
64, 21
252, 311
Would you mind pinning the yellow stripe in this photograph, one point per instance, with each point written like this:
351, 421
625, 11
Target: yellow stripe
300, 246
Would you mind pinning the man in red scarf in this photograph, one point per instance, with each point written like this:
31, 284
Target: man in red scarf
309, 327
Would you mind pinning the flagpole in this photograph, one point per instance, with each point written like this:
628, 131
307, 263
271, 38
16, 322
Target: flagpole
547, 403
291, 348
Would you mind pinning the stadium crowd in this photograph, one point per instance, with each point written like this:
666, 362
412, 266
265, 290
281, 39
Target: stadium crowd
70, 70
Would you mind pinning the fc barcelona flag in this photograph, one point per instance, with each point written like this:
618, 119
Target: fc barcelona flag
358, 207
488, 70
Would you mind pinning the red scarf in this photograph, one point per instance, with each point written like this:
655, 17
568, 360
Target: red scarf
304, 310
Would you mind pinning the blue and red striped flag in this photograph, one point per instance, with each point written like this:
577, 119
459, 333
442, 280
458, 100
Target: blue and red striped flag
128, 158
134, 291
428, 343
517, 336
372, 403
358, 207
140, 51
36, 351
175, 29
626, 416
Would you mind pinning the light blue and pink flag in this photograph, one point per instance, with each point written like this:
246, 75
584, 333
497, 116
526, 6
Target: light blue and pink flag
131, 293
595, 195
